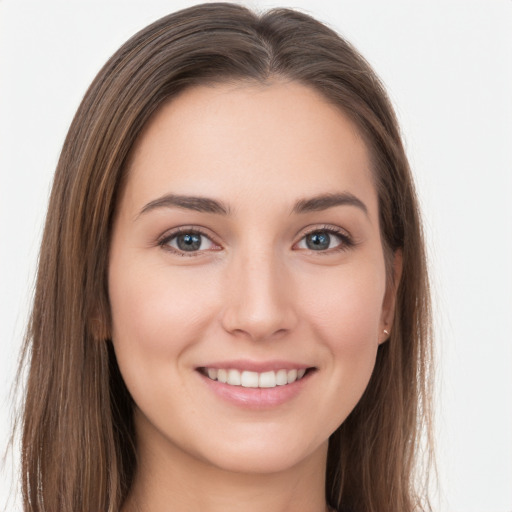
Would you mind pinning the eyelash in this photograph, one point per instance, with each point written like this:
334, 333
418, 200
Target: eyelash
346, 241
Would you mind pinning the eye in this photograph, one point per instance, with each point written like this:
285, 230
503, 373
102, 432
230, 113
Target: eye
189, 241
325, 239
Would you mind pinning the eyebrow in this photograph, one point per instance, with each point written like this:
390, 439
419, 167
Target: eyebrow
326, 201
198, 204
208, 205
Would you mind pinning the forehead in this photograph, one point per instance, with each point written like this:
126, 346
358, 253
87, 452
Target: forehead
246, 142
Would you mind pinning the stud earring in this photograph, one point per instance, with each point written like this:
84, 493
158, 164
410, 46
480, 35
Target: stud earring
386, 332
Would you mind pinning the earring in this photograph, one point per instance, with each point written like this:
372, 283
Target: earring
386, 332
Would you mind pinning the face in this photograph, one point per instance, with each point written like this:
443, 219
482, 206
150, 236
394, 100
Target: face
247, 278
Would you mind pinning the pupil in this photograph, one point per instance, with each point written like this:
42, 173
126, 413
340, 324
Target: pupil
318, 241
189, 242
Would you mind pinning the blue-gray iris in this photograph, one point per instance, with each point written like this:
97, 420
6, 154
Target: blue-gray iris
318, 241
189, 242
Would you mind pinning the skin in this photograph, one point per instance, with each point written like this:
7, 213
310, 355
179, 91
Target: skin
253, 291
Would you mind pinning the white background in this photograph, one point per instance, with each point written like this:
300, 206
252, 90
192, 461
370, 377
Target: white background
448, 69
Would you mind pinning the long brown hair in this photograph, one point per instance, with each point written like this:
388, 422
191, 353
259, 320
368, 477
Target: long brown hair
78, 439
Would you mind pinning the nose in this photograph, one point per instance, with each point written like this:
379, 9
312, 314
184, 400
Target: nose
259, 298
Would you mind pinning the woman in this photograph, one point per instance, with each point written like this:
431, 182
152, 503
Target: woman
232, 302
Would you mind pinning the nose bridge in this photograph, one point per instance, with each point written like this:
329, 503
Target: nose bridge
260, 302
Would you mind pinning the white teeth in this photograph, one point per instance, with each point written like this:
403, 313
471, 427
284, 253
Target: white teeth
233, 377
292, 376
249, 379
268, 380
282, 377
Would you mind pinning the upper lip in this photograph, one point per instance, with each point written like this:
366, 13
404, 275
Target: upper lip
256, 366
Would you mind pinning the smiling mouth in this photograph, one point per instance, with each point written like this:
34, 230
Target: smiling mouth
249, 379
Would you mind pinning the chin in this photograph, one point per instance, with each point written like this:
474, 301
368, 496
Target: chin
261, 458
260, 449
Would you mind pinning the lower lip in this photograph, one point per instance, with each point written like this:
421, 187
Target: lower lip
256, 398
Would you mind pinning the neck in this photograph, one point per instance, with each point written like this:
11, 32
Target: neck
169, 479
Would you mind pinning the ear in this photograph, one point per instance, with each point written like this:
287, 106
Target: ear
388, 304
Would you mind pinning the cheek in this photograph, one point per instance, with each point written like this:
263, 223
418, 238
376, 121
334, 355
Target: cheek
156, 314
346, 308
345, 311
